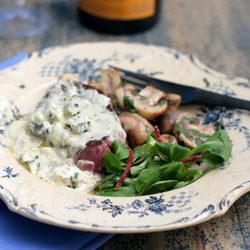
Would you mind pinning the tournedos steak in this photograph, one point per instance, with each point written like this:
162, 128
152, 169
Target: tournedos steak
80, 120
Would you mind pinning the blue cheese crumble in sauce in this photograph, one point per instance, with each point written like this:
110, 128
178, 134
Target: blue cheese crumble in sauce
64, 121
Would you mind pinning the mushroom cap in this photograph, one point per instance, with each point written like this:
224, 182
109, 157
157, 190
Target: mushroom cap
167, 121
136, 127
167, 138
69, 77
98, 86
174, 101
150, 102
188, 131
120, 92
110, 80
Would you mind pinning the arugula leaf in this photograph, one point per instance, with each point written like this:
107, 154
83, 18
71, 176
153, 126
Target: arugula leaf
121, 192
143, 179
107, 178
120, 150
108, 184
165, 172
153, 165
136, 169
112, 181
218, 149
159, 166
149, 146
139, 155
160, 186
112, 163
174, 152
188, 177
160, 158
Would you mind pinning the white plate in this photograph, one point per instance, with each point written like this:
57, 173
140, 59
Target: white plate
208, 197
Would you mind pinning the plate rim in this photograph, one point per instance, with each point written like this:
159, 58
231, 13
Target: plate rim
235, 193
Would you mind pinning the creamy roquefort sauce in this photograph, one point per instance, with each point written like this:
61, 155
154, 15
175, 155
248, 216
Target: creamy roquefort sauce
64, 121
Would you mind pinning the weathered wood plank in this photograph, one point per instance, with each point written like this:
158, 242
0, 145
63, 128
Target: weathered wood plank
230, 231
218, 32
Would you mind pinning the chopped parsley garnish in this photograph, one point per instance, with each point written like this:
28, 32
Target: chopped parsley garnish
190, 119
116, 104
119, 112
195, 132
22, 86
206, 82
122, 83
147, 129
155, 73
163, 102
181, 130
217, 124
141, 96
171, 138
130, 104
198, 142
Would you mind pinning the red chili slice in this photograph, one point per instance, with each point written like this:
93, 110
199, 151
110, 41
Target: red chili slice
161, 154
158, 136
192, 158
127, 169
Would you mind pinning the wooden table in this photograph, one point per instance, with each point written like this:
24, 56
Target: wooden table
218, 33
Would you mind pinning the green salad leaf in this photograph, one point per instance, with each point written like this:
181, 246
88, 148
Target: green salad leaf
217, 149
121, 192
120, 150
158, 166
112, 163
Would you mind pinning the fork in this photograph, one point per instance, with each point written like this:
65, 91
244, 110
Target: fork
189, 94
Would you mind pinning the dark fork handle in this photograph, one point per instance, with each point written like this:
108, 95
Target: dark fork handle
189, 94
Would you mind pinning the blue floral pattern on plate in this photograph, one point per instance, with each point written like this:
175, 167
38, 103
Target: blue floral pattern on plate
9, 173
5, 120
153, 204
